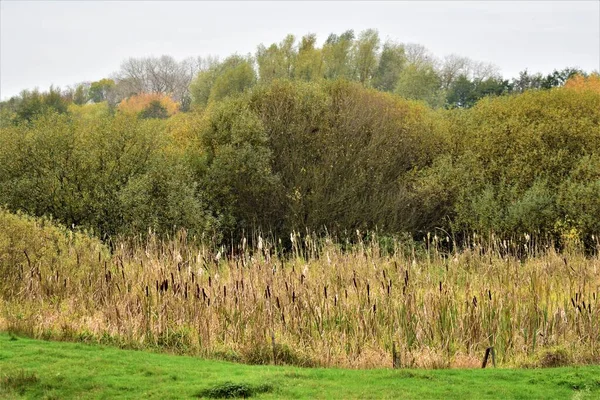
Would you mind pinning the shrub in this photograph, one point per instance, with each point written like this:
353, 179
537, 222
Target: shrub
31, 247
230, 390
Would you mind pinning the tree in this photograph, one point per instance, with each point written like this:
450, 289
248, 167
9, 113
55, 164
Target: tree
526, 81
276, 61
309, 62
559, 78
234, 75
157, 75
31, 104
101, 90
201, 86
391, 63
154, 110
582, 83
453, 67
81, 94
235, 174
418, 55
461, 93
233, 79
149, 105
337, 55
420, 83
364, 54
464, 93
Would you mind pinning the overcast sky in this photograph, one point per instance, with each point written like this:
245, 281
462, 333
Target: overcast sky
66, 42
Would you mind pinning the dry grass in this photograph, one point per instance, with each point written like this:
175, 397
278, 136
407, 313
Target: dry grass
320, 305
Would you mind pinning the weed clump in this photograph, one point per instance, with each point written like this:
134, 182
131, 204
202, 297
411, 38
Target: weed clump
231, 390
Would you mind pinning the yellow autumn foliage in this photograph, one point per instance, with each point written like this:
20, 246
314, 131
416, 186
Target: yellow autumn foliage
140, 102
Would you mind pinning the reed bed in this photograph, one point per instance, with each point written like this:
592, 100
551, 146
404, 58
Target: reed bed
360, 306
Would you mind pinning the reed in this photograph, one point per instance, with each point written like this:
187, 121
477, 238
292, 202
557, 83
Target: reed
321, 305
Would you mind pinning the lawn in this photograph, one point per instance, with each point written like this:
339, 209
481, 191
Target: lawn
58, 370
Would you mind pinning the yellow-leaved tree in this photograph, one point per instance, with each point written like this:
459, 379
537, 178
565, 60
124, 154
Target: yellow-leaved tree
149, 105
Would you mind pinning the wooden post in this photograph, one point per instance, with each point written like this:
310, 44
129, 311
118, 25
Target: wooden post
487, 355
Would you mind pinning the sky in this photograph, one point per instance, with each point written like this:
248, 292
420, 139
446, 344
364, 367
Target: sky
62, 43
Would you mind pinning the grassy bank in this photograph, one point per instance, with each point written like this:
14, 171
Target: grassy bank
40, 369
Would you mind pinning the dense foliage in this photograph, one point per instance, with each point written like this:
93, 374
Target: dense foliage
356, 134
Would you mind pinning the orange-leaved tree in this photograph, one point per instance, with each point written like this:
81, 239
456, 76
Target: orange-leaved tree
149, 105
580, 82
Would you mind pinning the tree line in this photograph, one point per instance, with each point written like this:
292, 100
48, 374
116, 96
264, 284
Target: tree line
337, 138
406, 69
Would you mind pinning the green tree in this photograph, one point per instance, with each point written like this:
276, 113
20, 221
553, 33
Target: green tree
155, 110
420, 83
365, 55
241, 191
233, 79
100, 90
461, 93
81, 95
276, 61
309, 62
337, 55
391, 63
234, 75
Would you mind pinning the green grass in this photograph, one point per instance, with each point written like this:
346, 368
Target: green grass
58, 370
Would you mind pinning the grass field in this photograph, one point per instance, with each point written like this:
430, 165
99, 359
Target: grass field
58, 370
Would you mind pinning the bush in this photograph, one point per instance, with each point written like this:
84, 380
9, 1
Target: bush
230, 390
33, 247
